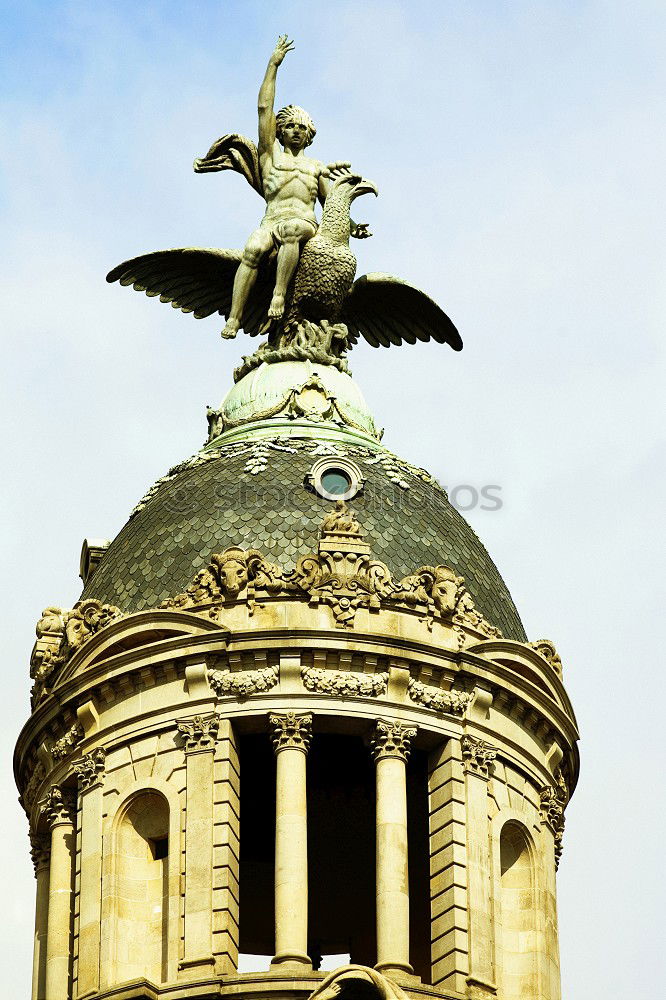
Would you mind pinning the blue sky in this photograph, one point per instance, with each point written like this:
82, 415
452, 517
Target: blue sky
520, 155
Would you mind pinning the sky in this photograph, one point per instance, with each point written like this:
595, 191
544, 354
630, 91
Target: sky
520, 155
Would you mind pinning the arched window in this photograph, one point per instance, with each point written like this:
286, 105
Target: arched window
141, 889
518, 960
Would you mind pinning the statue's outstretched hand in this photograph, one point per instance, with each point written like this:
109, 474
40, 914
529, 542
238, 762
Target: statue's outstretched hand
283, 46
359, 230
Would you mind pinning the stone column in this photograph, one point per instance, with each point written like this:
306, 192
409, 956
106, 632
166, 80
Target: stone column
60, 816
478, 757
390, 746
552, 805
291, 736
199, 737
40, 853
90, 771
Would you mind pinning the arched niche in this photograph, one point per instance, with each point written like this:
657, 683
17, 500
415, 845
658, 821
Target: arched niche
517, 963
141, 883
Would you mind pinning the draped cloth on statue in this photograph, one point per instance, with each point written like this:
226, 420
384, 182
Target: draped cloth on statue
233, 152
356, 981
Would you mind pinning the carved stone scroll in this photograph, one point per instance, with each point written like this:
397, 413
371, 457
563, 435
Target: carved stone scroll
546, 648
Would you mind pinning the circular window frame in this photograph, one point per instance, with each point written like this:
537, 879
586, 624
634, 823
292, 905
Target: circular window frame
323, 465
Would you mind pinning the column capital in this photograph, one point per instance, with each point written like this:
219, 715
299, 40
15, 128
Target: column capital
40, 851
90, 769
551, 809
59, 806
478, 756
291, 731
200, 733
392, 739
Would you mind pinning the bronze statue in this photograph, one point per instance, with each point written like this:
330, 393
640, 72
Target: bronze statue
294, 280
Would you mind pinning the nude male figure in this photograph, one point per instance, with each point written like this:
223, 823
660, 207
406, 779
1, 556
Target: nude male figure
292, 184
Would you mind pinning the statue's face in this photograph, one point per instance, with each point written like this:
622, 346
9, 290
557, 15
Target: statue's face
294, 135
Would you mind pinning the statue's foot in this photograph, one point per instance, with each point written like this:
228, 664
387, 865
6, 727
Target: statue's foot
276, 308
231, 329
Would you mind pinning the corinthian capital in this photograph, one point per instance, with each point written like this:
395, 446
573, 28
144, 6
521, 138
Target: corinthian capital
478, 756
40, 851
291, 731
199, 733
59, 806
90, 769
392, 739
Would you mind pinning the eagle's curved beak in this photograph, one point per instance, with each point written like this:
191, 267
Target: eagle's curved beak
365, 187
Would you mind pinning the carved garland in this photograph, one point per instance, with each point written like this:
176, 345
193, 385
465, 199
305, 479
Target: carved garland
244, 683
344, 684
451, 702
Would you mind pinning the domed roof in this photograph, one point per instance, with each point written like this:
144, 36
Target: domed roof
254, 493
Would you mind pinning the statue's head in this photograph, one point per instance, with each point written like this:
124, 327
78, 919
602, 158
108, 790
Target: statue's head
293, 115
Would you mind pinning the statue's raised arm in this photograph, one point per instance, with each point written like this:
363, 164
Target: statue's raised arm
266, 102
294, 278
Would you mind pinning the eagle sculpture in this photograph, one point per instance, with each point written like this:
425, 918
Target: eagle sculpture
326, 311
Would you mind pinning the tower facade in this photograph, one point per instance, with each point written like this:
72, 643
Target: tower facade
294, 714
294, 720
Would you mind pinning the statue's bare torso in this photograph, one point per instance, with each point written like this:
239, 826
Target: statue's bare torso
291, 186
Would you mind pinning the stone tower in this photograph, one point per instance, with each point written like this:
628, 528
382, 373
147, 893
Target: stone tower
294, 722
294, 714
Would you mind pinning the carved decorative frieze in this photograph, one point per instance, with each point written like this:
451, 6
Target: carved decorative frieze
341, 575
200, 733
451, 702
478, 756
90, 769
546, 648
392, 739
59, 806
344, 684
40, 851
245, 682
291, 731
232, 575
67, 743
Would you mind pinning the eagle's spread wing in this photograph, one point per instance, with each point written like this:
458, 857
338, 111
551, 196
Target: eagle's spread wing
386, 310
197, 281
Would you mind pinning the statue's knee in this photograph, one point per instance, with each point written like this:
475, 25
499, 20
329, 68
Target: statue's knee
253, 252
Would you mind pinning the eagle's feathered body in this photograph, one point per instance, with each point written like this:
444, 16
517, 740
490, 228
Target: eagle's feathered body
327, 266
